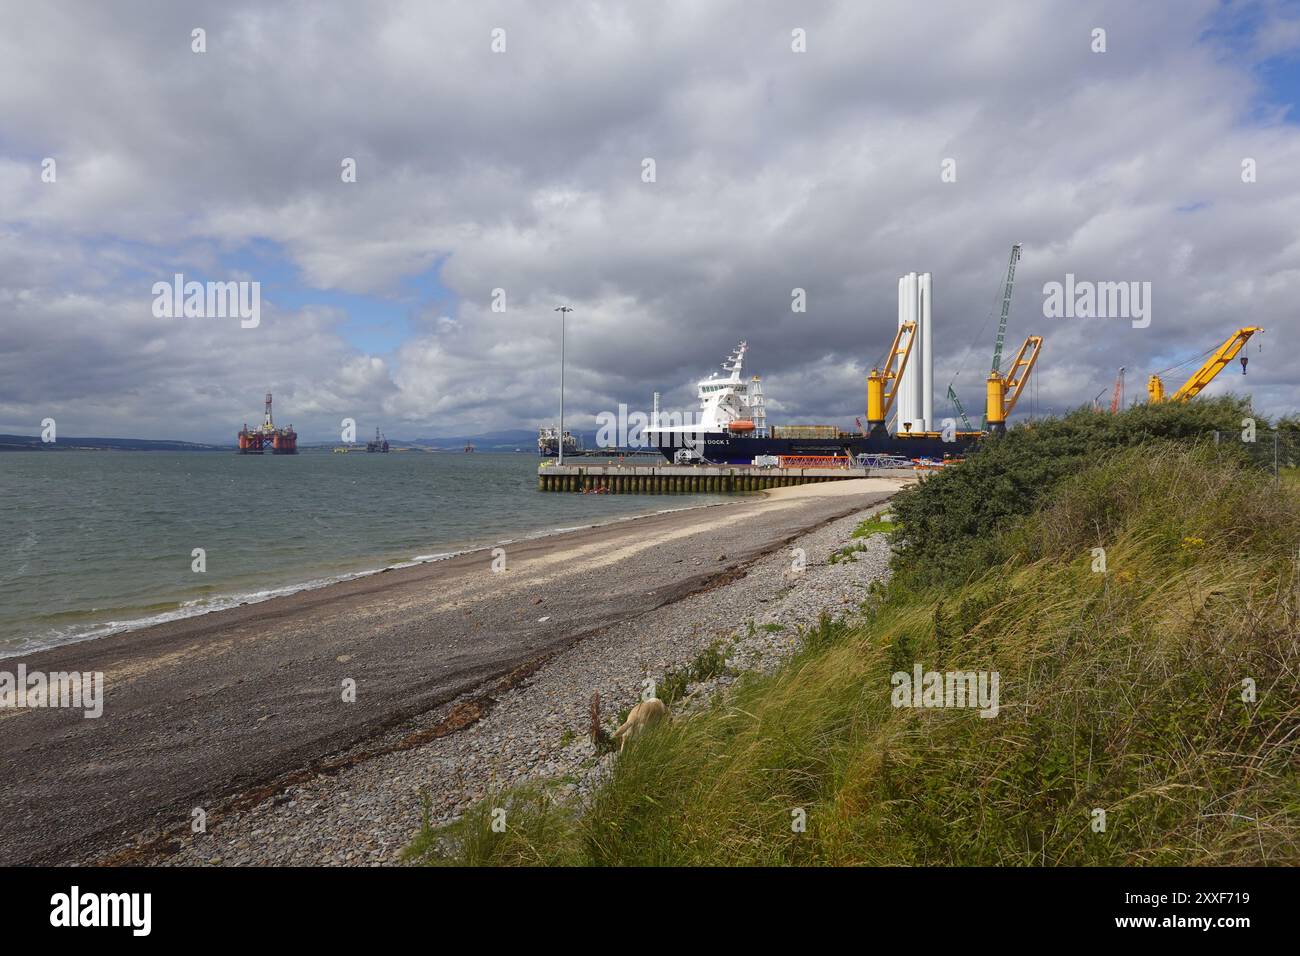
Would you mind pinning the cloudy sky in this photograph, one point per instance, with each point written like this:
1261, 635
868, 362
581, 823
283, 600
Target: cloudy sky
523, 170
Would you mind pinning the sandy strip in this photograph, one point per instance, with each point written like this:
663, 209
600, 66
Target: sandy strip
836, 489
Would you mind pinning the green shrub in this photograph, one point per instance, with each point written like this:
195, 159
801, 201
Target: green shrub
949, 521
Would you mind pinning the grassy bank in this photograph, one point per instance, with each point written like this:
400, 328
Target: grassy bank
1163, 690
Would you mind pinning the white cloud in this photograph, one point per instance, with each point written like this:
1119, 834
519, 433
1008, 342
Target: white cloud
522, 171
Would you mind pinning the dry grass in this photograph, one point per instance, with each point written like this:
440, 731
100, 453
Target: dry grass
1120, 691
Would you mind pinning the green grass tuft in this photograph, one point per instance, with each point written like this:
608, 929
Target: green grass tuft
872, 526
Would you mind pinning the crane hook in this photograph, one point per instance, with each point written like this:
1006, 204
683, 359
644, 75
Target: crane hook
1244, 360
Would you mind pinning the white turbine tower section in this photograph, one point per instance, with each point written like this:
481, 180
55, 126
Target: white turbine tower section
927, 358
900, 404
914, 316
916, 388
907, 390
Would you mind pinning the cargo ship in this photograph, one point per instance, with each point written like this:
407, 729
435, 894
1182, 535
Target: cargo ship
732, 426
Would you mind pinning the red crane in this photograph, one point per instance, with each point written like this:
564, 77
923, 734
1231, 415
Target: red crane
1117, 397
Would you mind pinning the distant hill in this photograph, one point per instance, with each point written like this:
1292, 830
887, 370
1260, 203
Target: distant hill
507, 440
525, 440
34, 443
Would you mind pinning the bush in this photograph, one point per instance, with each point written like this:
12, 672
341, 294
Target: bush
949, 522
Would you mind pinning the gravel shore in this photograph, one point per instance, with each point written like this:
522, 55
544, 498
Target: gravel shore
368, 808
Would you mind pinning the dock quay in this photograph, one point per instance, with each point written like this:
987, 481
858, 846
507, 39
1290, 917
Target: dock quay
692, 479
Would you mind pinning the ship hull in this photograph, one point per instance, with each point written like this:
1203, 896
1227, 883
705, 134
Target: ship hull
721, 448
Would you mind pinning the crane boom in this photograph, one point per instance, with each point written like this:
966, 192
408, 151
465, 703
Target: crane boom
1006, 307
1004, 390
1018, 374
952, 397
901, 353
1204, 375
880, 400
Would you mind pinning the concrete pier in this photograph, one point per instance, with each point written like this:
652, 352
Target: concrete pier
692, 479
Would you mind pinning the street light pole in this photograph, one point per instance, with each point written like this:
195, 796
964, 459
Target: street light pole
564, 310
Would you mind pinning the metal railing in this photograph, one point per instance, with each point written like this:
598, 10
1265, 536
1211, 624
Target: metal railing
815, 461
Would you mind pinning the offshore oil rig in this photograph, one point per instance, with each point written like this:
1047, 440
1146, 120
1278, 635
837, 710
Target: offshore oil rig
281, 441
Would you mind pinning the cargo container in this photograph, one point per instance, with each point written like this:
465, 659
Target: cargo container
805, 431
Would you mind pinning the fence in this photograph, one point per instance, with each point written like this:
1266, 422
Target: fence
1272, 449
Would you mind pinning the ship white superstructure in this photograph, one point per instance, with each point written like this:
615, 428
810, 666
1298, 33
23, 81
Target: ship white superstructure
723, 399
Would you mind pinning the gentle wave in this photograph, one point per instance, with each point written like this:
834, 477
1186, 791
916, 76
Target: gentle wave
200, 606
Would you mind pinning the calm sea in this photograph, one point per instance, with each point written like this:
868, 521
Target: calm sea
96, 542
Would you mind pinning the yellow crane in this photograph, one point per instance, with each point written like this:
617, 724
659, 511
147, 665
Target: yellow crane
1004, 390
1205, 374
880, 394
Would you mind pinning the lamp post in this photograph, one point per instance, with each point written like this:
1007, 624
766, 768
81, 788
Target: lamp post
564, 310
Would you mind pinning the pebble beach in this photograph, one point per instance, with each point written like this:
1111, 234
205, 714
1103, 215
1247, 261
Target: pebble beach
369, 812
319, 727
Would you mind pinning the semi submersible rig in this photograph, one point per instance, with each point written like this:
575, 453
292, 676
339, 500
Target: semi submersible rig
281, 441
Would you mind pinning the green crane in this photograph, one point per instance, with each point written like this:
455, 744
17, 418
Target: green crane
997, 345
1006, 307
952, 397
1002, 321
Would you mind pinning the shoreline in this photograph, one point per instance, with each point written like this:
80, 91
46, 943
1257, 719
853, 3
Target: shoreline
201, 711
226, 602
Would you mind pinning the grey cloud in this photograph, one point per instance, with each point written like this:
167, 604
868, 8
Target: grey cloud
522, 171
